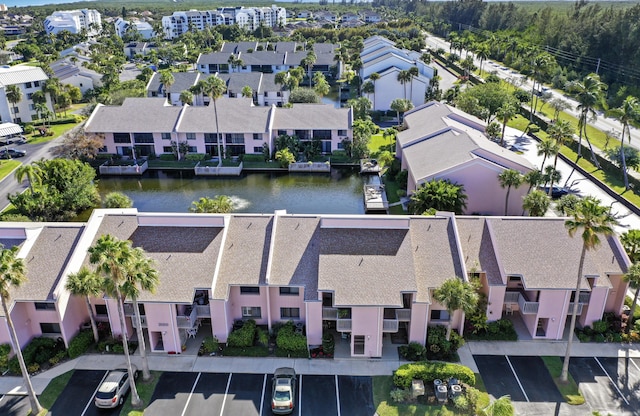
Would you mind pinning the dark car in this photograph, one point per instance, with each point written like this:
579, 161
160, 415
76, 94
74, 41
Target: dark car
556, 191
114, 388
284, 391
11, 153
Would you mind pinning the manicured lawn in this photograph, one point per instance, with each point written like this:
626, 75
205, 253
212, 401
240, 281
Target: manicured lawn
382, 386
145, 391
58, 130
569, 390
54, 389
7, 166
172, 163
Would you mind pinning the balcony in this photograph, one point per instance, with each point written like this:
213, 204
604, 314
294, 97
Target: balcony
570, 310
143, 320
526, 307
128, 309
202, 311
584, 298
187, 321
403, 315
330, 314
343, 325
511, 297
390, 325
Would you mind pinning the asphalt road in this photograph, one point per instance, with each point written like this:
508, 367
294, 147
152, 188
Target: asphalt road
77, 396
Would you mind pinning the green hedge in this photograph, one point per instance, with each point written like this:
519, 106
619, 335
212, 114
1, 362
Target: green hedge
5, 349
39, 351
290, 342
243, 337
80, 344
257, 351
253, 158
167, 156
431, 370
195, 156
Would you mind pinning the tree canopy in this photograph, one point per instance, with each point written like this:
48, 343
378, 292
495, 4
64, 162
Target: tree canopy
438, 195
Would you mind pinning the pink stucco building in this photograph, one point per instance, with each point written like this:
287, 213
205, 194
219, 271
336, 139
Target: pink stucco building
363, 276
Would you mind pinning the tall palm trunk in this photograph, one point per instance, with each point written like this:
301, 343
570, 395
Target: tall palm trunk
593, 153
506, 201
135, 398
633, 310
215, 111
624, 161
449, 325
564, 376
146, 374
33, 399
92, 317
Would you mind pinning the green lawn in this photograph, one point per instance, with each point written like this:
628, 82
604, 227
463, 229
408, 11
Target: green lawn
7, 166
382, 386
58, 130
569, 390
54, 389
145, 391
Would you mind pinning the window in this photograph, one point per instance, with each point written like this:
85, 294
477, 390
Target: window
251, 312
167, 149
282, 132
342, 132
29, 96
322, 134
32, 107
191, 136
101, 310
438, 315
515, 279
103, 149
45, 306
27, 85
50, 328
257, 136
143, 137
249, 290
37, 84
358, 344
234, 138
286, 313
121, 138
193, 149
166, 136
257, 149
289, 291
210, 138
16, 110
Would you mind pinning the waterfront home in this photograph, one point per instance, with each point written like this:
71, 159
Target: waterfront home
442, 142
29, 79
362, 278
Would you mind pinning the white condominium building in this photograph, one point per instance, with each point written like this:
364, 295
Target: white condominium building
74, 21
249, 18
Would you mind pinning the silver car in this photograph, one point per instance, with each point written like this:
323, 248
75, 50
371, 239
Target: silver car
114, 388
283, 397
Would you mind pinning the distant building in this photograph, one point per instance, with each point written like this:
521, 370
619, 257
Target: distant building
143, 28
29, 79
74, 21
77, 75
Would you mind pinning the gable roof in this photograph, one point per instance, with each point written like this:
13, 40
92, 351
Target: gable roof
21, 74
313, 116
235, 115
150, 115
181, 81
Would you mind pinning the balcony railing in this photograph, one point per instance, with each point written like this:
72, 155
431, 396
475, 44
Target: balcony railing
343, 325
584, 297
570, 310
187, 321
330, 314
128, 309
527, 308
511, 297
143, 320
403, 315
203, 311
389, 325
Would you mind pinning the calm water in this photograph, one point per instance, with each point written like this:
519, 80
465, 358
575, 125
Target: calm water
338, 193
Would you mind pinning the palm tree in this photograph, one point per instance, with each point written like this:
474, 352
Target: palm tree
214, 87
626, 114
560, 132
482, 53
14, 96
500, 407
400, 105
32, 172
532, 178
591, 219
167, 80
506, 113
221, 204
197, 90
631, 243
140, 276
86, 283
633, 277
590, 95
247, 92
547, 148
112, 259
368, 88
186, 97
539, 66
439, 195
536, 203
559, 105
509, 178
308, 62
12, 274
374, 77
455, 294
413, 72
403, 78
551, 175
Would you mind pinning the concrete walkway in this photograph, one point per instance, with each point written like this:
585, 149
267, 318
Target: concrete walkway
339, 366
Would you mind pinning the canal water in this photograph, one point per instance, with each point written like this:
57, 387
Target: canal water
171, 191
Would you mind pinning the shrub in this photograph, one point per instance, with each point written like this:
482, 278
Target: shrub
195, 156
262, 337
167, 156
28, 129
439, 348
328, 344
33, 368
600, 327
80, 344
210, 344
431, 370
461, 403
399, 395
244, 336
288, 340
38, 351
5, 349
413, 352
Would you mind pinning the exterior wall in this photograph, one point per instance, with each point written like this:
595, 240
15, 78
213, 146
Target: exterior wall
24, 112
530, 321
237, 301
114, 320
615, 300
367, 321
23, 323
418, 324
219, 324
553, 305
161, 317
495, 302
594, 310
388, 88
277, 301
72, 317
313, 314
84, 83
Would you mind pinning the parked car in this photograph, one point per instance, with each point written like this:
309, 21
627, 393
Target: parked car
283, 397
556, 191
11, 153
114, 388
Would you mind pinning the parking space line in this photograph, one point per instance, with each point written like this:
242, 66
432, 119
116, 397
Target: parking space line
94, 393
264, 385
195, 383
337, 394
611, 380
517, 379
634, 364
300, 397
226, 391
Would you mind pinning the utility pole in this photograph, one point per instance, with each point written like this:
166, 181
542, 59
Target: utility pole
598, 66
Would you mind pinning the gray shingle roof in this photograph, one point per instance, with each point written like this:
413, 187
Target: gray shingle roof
245, 255
181, 81
141, 115
262, 58
214, 58
235, 115
185, 257
236, 81
312, 116
45, 262
477, 246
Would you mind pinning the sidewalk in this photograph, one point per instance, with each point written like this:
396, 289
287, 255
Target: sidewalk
339, 366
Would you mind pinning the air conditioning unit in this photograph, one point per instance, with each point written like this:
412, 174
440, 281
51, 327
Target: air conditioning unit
455, 390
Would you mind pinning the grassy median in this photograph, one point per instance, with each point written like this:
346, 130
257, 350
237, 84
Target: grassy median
569, 389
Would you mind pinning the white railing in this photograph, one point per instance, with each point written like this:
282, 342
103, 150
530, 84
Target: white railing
310, 167
143, 321
203, 310
570, 310
343, 325
584, 297
123, 169
218, 170
511, 297
187, 321
527, 308
403, 315
128, 309
329, 313
389, 325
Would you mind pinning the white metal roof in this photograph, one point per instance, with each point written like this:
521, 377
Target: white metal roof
7, 129
21, 74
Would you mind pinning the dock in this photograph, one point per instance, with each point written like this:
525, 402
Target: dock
375, 197
369, 166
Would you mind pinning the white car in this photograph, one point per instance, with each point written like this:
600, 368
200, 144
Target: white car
114, 388
283, 398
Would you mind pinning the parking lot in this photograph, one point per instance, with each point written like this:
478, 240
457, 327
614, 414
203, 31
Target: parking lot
14, 405
181, 394
609, 385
